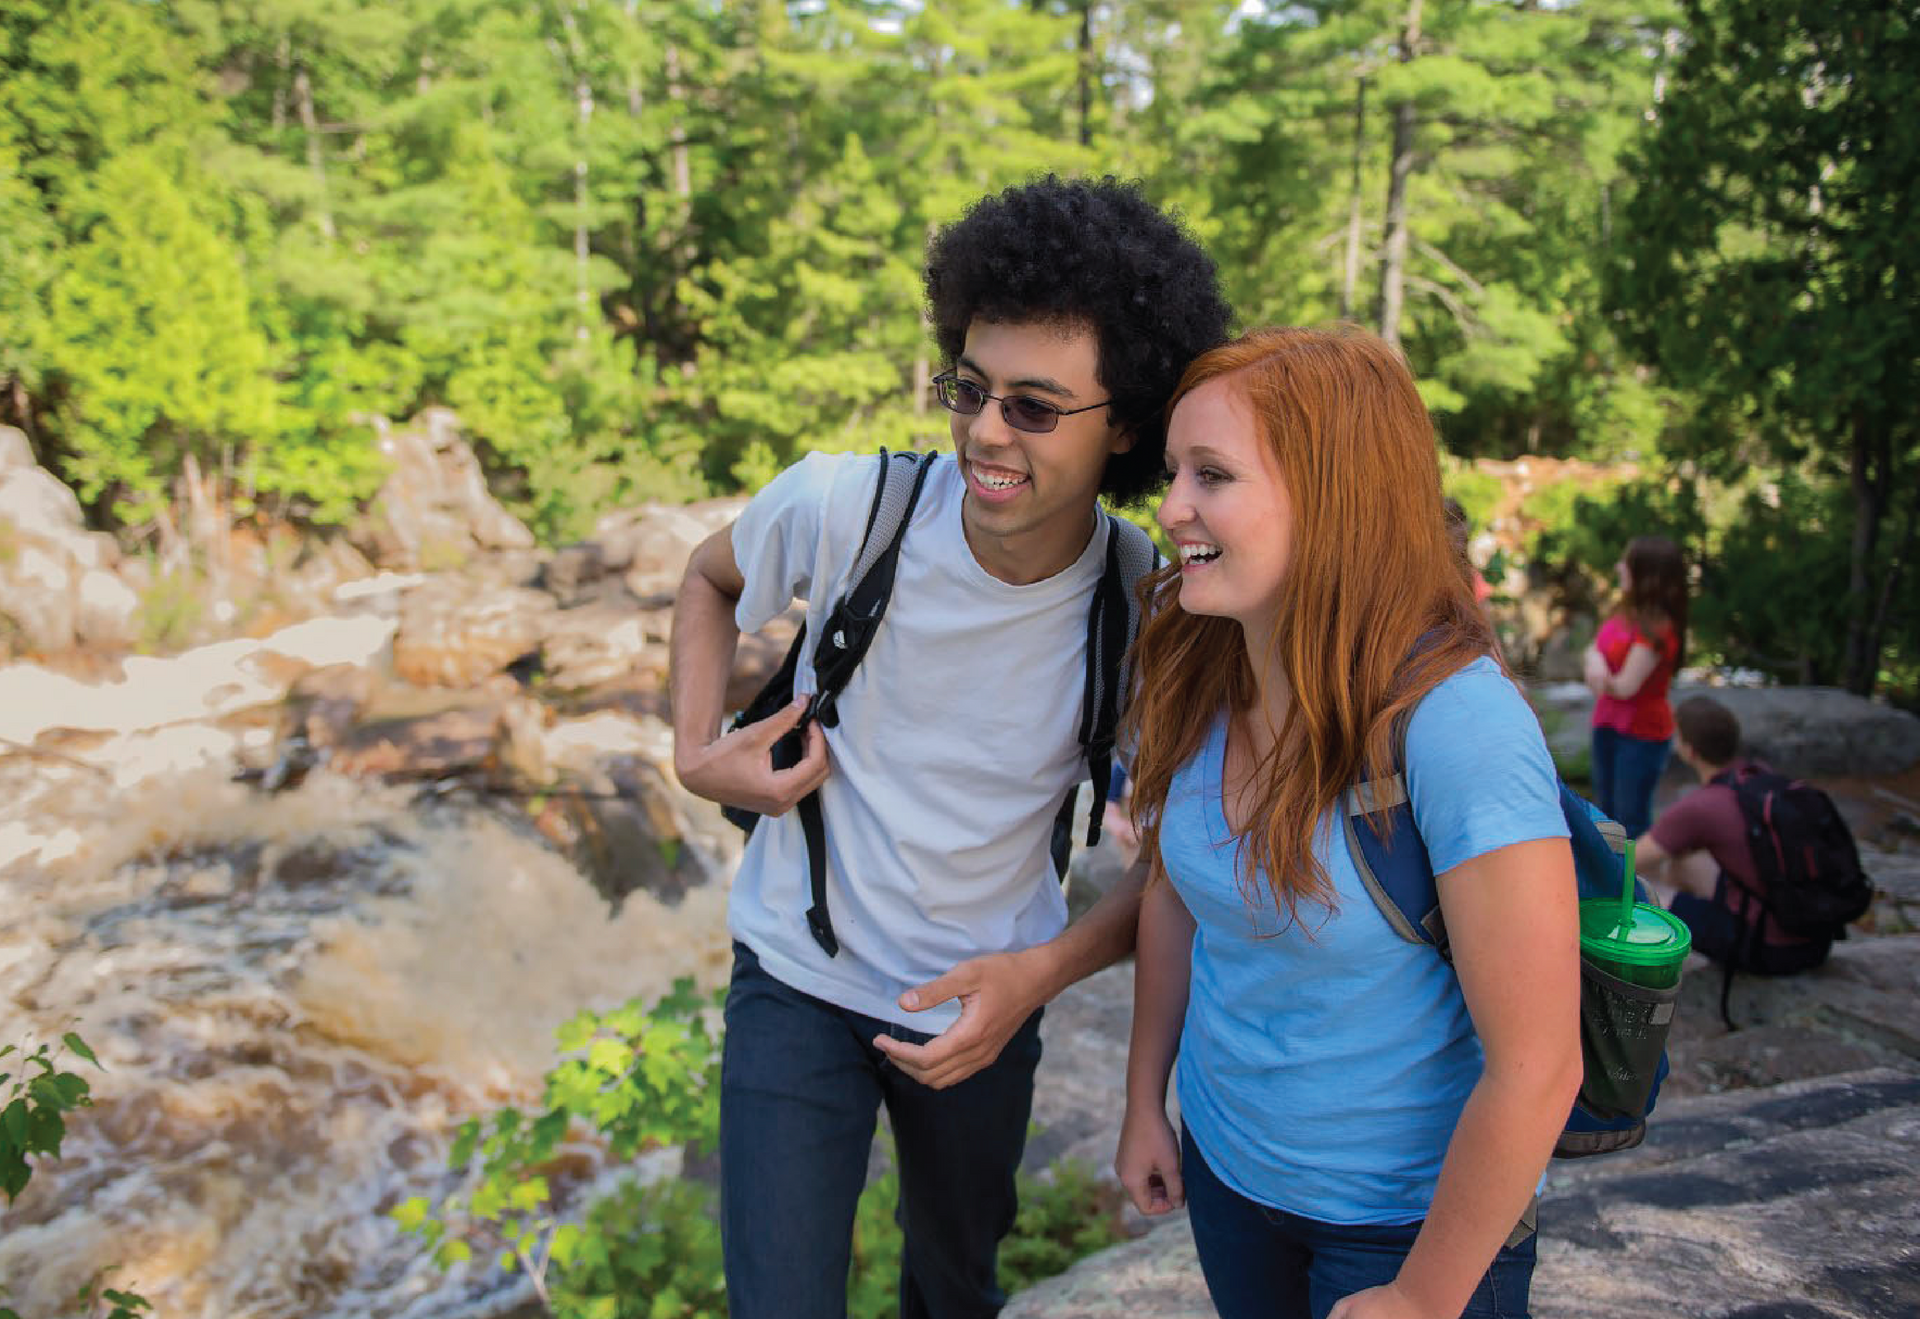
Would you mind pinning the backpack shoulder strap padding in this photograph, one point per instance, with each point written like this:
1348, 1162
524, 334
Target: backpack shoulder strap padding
1394, 868
1113, 621
848, 630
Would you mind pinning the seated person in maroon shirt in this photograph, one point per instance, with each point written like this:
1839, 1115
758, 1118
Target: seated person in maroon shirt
1696, 856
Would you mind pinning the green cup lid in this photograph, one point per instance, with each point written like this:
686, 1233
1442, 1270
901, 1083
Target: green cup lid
1652, 938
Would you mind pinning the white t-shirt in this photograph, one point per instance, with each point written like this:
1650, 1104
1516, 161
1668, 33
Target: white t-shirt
958, 740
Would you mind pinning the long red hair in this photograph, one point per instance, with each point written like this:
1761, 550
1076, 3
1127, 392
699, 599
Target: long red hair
1372, 576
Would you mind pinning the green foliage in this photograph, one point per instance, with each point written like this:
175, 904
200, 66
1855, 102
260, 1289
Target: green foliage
1064, 1216
1766, 263
37, 1096
651, 249
644, 1252
1585, 528
170, 611
641, 1078
96, 1298
1773, 596
1479, 492
1554, 512
873, 1279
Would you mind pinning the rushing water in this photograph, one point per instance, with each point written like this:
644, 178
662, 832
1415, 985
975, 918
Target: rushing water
296, 999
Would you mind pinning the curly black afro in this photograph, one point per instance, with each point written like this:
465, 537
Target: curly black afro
1096, 253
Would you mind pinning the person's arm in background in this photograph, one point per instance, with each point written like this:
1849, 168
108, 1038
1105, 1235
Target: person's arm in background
1512, 919
734, 769
1638, 666
1651, 863
1593, 670
1148, 1160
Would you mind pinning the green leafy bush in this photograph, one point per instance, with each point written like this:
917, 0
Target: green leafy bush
648, 1078
644, 1252
1064, 1216
1478, 492
33, 1123
1584, 529
1773, 595
642, 1078
170, 612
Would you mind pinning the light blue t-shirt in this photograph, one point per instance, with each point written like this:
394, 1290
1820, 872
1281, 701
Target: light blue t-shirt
1324, 1063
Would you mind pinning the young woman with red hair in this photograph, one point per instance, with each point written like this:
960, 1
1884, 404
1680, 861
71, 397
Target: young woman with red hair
1364, 1123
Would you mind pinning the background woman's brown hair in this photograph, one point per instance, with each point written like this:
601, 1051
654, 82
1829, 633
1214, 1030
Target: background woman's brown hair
1657, 593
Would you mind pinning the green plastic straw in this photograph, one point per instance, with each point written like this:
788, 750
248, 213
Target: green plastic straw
1626, 890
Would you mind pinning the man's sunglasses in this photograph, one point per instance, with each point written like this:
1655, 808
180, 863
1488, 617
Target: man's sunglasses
1023, 412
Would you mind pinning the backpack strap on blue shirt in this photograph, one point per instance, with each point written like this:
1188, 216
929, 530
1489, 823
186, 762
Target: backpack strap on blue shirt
1383, 840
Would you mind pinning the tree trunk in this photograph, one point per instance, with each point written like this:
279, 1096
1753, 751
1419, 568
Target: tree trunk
1393, 267
316, 162
1350, 284
284, 59
1869, 481
1890, 584
583, 101
1086, 73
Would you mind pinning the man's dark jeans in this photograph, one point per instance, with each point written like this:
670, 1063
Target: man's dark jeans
800, 1090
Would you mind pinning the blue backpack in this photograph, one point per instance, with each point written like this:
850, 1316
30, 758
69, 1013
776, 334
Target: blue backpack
1622, 1025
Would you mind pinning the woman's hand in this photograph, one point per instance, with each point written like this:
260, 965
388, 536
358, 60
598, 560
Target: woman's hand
1593, 668
1148, 1163
1387, 1302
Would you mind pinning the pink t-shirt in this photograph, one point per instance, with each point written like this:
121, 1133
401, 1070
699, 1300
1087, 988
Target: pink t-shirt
1646, 714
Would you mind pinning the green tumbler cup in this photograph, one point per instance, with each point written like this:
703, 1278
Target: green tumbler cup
1647, 948
1630, 959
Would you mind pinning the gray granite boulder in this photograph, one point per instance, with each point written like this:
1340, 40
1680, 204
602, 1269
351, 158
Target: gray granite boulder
1817, 731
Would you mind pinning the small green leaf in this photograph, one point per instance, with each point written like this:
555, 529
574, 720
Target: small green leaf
79, 1046
410, 1213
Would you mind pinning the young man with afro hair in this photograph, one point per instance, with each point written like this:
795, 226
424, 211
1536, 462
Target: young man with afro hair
1065, 312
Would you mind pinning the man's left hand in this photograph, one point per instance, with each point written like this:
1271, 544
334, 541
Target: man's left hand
997, 994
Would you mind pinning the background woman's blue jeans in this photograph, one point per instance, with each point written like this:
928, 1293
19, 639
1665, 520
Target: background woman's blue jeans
1264, 1263
800, 1089
1625, 771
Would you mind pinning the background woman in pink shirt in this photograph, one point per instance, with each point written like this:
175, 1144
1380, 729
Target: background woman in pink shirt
1630, 666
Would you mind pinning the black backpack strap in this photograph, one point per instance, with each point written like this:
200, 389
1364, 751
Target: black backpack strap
843, 639
1113, 621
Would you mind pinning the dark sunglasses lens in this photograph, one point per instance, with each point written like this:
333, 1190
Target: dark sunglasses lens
1031, 414
962, 396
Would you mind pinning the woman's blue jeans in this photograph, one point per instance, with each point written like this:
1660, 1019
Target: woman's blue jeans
1625, 771
800, 1090
1264, 1263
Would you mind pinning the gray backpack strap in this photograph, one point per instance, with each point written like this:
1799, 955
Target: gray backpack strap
1113, 621
1138, 556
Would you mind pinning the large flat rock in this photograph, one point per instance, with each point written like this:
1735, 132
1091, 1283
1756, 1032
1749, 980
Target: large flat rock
1791, 1202
1809, 731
